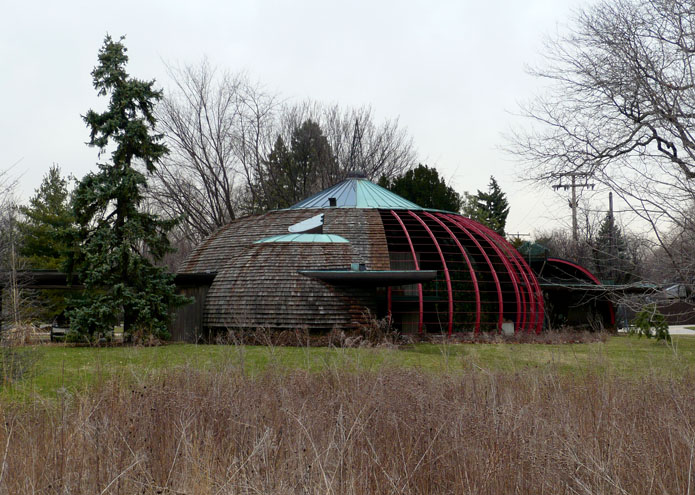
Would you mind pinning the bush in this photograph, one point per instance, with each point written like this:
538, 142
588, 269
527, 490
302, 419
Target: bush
650, 323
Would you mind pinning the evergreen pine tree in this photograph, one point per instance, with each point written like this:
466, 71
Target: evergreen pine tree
116, 239
46, 223
423, 186
292, 174
489, 208
44, 232
612, 259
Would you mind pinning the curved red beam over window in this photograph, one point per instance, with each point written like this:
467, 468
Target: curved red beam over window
474, 226
449, 291
591, 276
530, 322
498, 286
530, 288
417, 267
470, 271
539, 307
537, 288
529, 276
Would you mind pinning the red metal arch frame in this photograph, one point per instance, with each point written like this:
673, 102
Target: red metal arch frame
498, 286
532, 285
447, 277
470, 271
591, 277
530, 321
537, 287
520, 273
474, 226
534, 295
509, 250
417, 267
529, 302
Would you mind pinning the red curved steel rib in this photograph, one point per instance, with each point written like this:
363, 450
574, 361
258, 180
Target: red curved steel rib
539, 293
498, 286
592, 277
530, 288
450, 292
417, 267
527, 323
530, 322
474, 226
470, 271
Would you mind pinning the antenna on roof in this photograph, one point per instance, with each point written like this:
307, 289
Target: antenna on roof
356, 165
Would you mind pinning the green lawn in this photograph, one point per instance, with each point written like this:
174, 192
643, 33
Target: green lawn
58, 367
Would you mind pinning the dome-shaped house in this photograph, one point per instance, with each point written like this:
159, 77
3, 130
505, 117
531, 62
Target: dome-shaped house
357, 251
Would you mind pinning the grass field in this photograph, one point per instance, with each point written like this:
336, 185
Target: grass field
77, 368
611, 417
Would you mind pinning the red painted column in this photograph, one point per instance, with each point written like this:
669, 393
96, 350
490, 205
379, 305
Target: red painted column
498, 286
417, 267
470, 271
390, 304
450, 292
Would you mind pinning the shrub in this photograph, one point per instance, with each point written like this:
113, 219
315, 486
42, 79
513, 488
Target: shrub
650, 323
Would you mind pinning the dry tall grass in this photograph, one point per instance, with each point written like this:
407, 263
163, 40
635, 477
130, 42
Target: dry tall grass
390, 431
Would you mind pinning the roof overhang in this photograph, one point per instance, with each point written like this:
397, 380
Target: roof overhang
373, 278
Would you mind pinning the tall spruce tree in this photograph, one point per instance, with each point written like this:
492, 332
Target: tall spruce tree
489, 208
117, 240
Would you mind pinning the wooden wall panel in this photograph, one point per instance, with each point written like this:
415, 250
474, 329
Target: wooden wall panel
263, 289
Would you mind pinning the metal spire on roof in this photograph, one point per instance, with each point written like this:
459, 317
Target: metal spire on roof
356, 163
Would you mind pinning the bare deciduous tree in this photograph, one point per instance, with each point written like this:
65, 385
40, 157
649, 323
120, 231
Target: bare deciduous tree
12, 301
214, 127
620, 107
221, 129
358, 142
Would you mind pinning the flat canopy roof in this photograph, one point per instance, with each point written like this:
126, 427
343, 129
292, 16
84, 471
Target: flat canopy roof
374, 278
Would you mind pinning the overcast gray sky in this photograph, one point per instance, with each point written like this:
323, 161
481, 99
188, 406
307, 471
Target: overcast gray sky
451, 71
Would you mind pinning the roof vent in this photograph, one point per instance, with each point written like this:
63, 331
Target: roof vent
332, 202
357, 174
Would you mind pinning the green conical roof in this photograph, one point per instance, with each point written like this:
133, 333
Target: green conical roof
357, 193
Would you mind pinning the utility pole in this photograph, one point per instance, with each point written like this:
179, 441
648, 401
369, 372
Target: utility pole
611, 225
14, 288
574, 204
